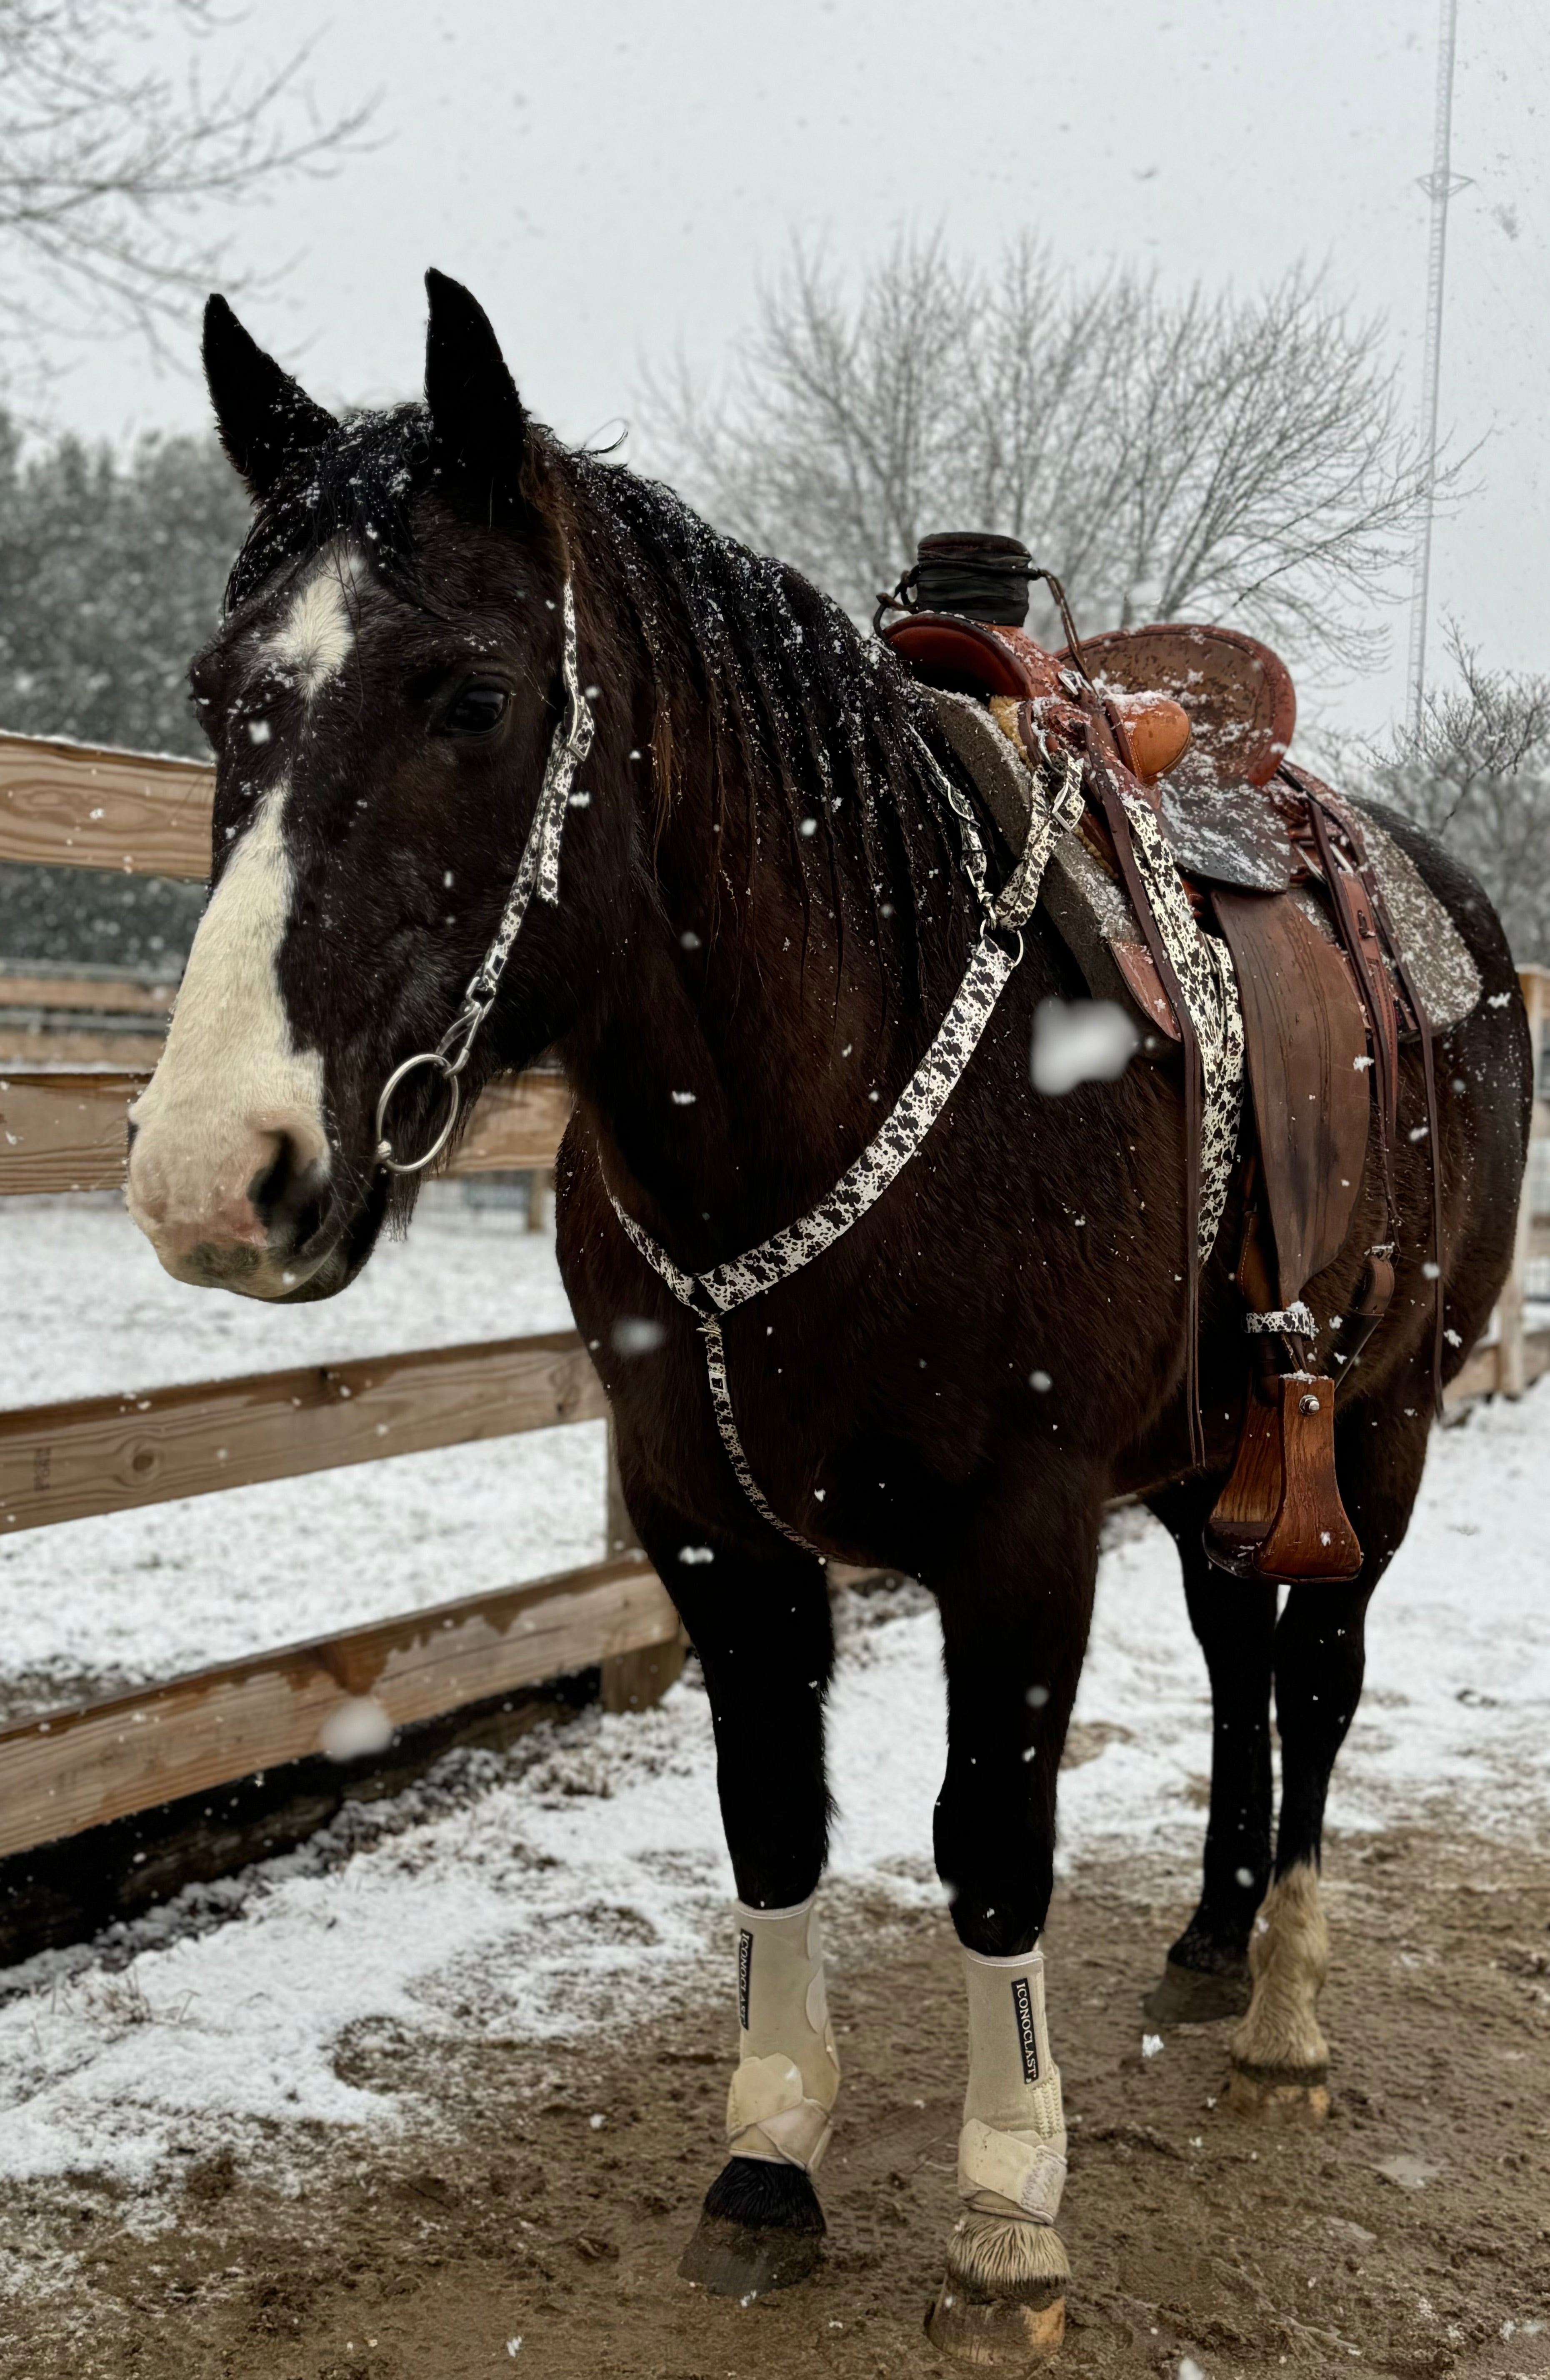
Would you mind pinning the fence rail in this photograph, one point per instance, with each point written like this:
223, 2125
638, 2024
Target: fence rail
81, 806
79, 1768
114, 1454
65, 1130
105, 995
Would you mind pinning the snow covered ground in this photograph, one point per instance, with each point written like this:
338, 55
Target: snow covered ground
521, 1892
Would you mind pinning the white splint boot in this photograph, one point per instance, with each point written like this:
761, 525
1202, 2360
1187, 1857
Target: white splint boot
788, 2073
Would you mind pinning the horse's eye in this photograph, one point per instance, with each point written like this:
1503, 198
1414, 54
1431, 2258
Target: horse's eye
476, 709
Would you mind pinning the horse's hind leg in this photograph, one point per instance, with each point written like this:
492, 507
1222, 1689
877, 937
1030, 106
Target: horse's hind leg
1281, 2060
759, 1623
1207, 1972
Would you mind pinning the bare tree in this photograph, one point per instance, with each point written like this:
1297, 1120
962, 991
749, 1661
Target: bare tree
104, 155
1476, 774
1237, 459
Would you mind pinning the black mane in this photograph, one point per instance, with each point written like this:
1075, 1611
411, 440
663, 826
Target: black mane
836, 743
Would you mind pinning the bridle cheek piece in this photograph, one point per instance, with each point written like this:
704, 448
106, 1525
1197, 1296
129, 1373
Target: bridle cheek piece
538, 872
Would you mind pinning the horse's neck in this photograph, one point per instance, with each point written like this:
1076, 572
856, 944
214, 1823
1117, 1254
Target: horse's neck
733, 1080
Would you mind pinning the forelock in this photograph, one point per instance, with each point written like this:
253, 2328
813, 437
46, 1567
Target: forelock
360, 486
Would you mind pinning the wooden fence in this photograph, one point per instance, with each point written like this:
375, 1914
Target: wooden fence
72, 1770
61, 1129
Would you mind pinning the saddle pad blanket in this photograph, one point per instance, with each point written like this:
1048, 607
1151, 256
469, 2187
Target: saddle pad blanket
1089, 907
1231, 837
1445, 979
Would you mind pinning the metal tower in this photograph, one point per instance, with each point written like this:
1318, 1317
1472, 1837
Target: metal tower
1441, 186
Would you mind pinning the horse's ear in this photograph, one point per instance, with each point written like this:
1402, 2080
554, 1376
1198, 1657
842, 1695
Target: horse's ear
479, 429
264, 416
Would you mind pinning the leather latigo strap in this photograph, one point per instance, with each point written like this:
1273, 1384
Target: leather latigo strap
1330, 818
1106, 783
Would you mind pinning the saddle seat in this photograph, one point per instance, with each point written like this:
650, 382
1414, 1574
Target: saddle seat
1003, 664
1338, 949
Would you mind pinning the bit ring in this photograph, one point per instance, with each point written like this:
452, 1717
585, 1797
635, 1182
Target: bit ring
411, 1066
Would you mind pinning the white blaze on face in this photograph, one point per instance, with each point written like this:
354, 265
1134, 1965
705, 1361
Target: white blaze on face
232, 1088
317, 636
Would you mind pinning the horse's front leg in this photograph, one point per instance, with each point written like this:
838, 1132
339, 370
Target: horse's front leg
758, 1615
1014, 1629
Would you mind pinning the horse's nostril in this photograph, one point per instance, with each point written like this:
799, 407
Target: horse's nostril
287, 1193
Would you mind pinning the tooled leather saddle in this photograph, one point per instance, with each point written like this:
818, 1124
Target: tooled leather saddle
1340, 952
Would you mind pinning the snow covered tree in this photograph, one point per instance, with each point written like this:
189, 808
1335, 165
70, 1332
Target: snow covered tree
1476, 774
1220, 459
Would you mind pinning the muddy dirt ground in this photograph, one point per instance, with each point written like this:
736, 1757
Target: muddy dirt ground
1410, 2237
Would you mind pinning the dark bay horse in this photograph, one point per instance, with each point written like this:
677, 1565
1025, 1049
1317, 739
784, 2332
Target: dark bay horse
762, 918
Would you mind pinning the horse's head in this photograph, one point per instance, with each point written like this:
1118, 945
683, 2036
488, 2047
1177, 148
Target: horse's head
381, 698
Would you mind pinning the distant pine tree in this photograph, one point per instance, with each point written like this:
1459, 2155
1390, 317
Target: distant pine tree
110, 573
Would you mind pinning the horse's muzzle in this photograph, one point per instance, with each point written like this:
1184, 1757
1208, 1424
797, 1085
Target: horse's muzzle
254, 1213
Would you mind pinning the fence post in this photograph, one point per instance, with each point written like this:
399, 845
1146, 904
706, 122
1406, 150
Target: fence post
633, 1680
541, 1201
1511, 1363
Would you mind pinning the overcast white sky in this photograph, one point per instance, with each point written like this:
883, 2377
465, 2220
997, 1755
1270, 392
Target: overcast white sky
614, 181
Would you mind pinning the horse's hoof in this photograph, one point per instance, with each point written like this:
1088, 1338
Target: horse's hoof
1192, 1996
1004, 2298
762, 2229
978, 2329
1279, 2095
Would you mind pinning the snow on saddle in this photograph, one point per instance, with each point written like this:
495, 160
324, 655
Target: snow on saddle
1339, 949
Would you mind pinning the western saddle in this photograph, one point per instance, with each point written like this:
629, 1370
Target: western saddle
1339, 953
